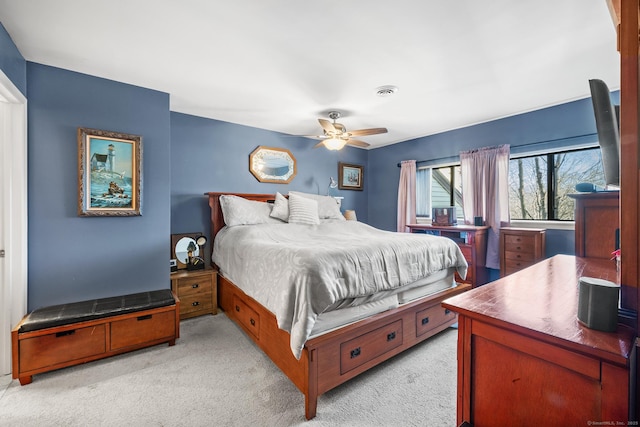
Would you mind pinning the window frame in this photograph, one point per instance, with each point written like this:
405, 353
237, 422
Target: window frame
560, 224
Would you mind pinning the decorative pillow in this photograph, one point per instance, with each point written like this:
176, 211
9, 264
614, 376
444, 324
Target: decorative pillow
328, 207
239, 211
280, 208
302, 210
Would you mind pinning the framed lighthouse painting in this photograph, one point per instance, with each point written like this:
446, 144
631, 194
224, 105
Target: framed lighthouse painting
109, 173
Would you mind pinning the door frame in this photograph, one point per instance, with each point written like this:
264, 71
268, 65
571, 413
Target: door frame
13, 214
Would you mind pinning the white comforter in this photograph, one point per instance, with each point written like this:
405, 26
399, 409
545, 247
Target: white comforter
299, 271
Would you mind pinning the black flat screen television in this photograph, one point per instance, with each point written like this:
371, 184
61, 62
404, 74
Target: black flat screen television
607, 116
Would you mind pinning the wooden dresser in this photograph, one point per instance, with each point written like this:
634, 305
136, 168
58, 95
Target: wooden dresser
524, 359
197, 291
473, 243
520, 248
597, 218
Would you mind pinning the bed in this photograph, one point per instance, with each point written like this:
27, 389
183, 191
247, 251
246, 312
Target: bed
324, 316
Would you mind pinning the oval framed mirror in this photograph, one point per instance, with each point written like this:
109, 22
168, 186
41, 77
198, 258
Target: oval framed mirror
269, 164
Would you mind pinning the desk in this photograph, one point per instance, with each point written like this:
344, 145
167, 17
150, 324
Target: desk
473, 244
524, 359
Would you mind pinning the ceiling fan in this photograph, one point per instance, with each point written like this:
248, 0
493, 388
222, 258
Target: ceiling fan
336, 135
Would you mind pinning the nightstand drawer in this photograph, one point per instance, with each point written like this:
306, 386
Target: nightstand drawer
196, 302
194, 285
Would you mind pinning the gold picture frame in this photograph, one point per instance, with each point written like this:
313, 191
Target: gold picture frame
109, 173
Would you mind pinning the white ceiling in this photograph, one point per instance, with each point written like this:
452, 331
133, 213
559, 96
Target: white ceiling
282, 64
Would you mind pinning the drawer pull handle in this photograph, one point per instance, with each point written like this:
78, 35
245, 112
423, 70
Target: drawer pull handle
253, 322
391, 336
145, 317
238, 308
447, 311
518, 248
195, 286
65, 333
355, 353
196, 303
425, 320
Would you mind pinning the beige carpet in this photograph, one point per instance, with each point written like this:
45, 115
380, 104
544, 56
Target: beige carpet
215, 376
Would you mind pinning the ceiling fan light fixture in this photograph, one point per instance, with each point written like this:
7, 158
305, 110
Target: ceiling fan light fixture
334, 143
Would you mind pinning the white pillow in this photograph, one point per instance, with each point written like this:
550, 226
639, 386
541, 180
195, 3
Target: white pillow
302, 210
240, 211
328, 207
280, 208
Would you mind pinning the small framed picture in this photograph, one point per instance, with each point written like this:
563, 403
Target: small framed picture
109, 173
350, 177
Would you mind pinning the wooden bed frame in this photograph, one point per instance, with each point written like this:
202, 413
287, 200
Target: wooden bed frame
337, 356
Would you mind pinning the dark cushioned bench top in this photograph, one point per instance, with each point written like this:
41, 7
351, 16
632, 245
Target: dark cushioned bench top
63, 314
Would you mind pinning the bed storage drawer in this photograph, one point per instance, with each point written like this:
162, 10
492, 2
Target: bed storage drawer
62, 346
247, 316
431, 317
359, 350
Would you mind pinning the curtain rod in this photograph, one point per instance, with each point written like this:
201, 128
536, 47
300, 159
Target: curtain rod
516, 146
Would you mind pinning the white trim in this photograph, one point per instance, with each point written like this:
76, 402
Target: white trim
548, 225
13, 215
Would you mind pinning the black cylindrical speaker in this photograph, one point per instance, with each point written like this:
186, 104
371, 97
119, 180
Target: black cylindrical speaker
477, 221
598, 303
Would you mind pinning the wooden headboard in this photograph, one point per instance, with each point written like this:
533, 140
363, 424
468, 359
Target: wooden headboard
217, 219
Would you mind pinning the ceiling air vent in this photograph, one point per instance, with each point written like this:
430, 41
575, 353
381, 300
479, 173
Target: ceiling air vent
386, 90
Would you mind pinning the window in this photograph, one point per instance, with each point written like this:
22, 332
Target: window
539, 185
438, 187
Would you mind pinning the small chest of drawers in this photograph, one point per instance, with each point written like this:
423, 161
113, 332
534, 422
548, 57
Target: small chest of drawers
520, 248
196, 290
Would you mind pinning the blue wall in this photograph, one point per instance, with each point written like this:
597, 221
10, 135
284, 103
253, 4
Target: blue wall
73, 258
12, 62
210, 155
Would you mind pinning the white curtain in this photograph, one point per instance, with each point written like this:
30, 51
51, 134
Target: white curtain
485, 193
407, 195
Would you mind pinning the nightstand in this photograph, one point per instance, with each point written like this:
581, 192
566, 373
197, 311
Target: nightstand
197, 291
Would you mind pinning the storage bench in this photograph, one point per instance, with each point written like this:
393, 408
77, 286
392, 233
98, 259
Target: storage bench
63, 335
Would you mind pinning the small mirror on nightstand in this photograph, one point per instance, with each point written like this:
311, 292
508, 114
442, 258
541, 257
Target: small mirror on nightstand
187, 250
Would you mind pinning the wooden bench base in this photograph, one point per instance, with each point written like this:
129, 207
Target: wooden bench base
47, 349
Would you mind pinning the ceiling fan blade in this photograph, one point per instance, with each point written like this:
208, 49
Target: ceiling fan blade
372, 131
357, 143
312, 136
327, 125
319, 144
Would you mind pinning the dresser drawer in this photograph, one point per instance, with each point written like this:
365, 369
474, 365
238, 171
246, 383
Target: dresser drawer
191, 303
194, 285
511, 265
140, 329
60, 347
519, 243
431, 317
247, 316
519, 256
364, 348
